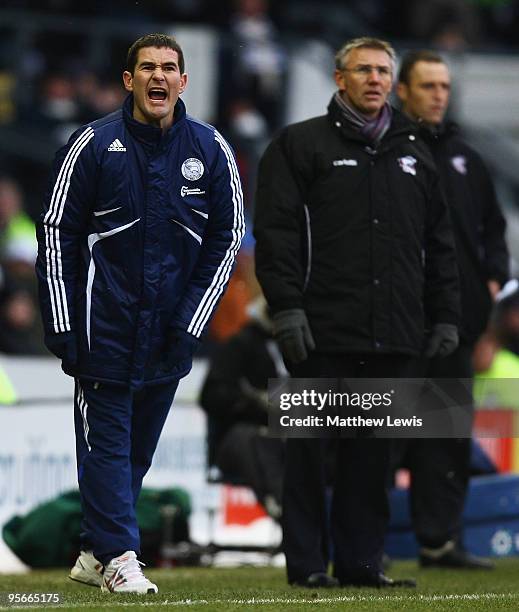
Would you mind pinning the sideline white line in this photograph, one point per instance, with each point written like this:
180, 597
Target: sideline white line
278, 600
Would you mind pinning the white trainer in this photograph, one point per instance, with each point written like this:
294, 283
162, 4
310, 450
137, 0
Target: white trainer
87, 569
124, 575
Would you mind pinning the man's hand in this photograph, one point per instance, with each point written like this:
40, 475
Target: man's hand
443, 340
494, 287
64, 346
292, 333
180, 346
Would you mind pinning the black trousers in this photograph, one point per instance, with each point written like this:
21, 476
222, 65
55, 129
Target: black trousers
360, 508
439, 467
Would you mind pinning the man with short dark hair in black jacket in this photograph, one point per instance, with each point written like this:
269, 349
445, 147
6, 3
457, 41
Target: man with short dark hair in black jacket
354, 251
440, 468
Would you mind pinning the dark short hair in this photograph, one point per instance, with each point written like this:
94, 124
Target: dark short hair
413, 57
153, 40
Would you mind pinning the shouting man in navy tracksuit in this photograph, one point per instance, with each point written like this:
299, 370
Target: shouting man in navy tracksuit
137, 239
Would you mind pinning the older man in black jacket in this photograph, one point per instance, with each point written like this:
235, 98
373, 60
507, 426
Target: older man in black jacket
354, 253
440, 468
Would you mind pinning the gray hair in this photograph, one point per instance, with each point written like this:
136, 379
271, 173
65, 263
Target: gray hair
365, 42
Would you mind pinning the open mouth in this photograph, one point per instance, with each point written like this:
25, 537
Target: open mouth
155, 93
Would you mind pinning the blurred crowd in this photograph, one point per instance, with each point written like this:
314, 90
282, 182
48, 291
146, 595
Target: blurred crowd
52, 80
478, 21
20, 326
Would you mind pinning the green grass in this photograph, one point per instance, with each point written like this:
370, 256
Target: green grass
265, 589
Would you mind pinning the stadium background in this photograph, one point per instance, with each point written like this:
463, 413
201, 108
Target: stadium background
253, 67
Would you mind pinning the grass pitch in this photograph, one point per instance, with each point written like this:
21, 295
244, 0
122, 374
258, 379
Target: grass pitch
265, 589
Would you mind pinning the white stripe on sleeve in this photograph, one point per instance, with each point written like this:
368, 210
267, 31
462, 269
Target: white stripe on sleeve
51, 223
221, 277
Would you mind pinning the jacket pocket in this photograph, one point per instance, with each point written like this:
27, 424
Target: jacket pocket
188, 230
93, 239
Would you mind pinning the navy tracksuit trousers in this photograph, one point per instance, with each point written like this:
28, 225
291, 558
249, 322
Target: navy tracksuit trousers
117, 431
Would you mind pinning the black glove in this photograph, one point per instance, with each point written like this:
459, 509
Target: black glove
180, 346
64, 346
292, 333
442, 341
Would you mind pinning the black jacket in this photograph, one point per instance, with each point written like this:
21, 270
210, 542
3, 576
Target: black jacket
479, 227
360, 239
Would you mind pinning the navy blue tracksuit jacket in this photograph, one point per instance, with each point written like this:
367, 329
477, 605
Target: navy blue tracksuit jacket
138, 237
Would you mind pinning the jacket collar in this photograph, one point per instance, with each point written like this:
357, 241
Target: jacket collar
438, 133
400, 124
149, 134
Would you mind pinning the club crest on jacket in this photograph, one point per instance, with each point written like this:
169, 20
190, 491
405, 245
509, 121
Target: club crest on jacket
408, 164
192, 169
459, 163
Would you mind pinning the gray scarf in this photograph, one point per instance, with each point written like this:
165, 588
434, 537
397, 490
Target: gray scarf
372, 129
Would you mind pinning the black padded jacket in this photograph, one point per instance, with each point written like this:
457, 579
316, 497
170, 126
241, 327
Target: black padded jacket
478, 224
358, 237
